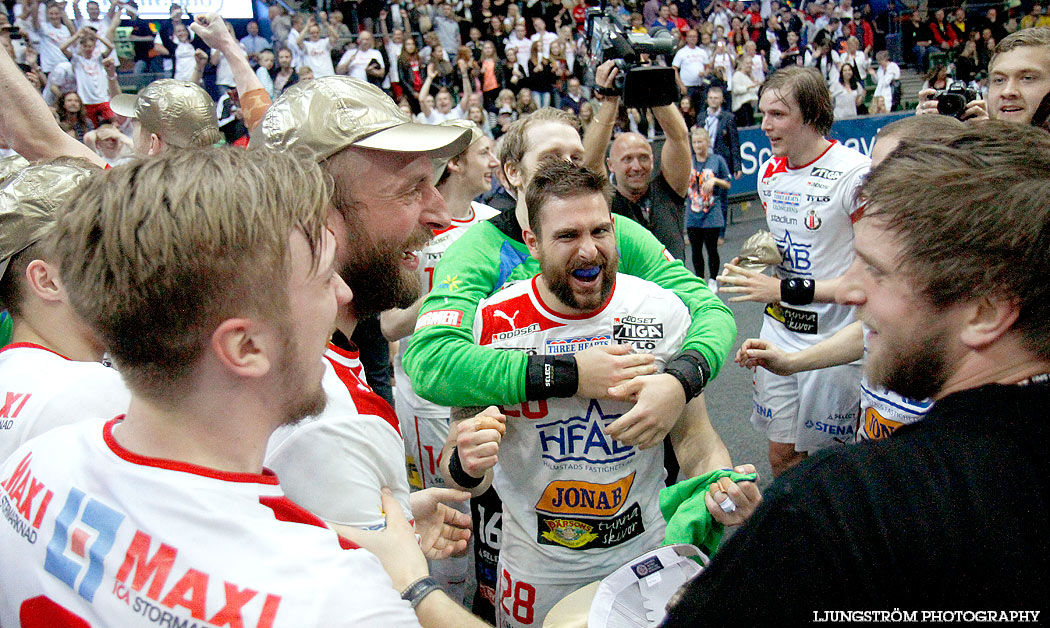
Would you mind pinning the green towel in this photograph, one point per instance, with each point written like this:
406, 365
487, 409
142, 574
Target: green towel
688, 520
6, 327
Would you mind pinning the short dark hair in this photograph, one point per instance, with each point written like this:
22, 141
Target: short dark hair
971, 211
810, 91
558, 178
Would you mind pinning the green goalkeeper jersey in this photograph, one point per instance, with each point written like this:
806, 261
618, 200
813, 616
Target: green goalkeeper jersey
447, 368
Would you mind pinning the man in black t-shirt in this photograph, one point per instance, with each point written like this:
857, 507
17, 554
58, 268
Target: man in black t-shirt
950, 513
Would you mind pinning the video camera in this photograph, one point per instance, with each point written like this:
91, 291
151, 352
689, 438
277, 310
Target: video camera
953, 101
640, 84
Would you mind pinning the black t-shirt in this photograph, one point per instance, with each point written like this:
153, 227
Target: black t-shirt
951, 513
661, 211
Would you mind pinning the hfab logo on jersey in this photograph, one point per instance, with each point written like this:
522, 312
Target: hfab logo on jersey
582, 439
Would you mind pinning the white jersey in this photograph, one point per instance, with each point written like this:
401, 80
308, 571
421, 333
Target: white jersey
429, 257
577, 504
41, 390
96, 535
317, 55
810, 211
336, 464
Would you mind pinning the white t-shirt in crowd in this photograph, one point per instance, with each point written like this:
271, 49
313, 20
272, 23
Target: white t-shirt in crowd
691, 64
436, 117
185, 63
63, 78
359, 60
92, 85
51, 39
317, 55
884, 83
547, 38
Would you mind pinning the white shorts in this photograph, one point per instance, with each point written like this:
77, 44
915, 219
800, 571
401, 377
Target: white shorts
812, 409
521, 604
424, 439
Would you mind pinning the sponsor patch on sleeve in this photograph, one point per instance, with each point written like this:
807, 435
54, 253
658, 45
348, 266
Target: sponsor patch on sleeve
452, 318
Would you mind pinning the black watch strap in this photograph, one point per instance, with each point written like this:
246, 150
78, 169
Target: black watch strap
606, 91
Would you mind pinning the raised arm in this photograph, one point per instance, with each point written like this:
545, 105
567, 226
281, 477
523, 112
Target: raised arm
676, 162
26, 121
424, 108
69, 42
254, 98
596, 140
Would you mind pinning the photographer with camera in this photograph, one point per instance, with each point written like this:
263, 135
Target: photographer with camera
1018, 79
656, 201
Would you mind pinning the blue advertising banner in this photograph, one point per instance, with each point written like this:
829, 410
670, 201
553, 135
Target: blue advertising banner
857, 133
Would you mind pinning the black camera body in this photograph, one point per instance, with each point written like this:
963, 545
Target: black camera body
641, 85
952, 101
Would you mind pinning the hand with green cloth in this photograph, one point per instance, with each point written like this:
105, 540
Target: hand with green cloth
692, 511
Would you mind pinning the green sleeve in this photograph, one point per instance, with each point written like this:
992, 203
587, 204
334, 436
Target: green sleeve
713, 331
444, 364
5, 328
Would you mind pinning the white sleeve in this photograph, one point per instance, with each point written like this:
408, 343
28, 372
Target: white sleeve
335, 467
677, 61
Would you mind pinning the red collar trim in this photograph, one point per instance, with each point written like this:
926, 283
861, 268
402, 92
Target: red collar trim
353, 354
570, 317
790, 167
266, 477
31, 345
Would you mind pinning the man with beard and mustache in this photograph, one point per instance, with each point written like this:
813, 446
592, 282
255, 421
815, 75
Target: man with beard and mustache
949, 512
576, 503
383, 207
216, 305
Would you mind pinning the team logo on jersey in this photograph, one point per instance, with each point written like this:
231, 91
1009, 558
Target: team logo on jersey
642, 335
795, 254
582, 439
84, 533
579, 533
568, 497
827, 175
798, 321
569, 346
877, 426
812, 220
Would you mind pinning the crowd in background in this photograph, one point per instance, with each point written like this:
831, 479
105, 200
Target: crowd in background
495, 61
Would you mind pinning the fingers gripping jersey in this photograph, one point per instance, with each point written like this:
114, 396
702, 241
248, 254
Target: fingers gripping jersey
41, 390
336, 464
810, 211
576, 503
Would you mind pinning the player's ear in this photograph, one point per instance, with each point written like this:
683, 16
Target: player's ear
512, 171
44, 282
245, 347
532, 242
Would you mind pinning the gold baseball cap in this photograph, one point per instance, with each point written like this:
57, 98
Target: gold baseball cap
180, 113
10, 166
475, 135
28, 202
323, 116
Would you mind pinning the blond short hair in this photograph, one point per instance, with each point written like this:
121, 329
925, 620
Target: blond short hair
157, 253
1024, 38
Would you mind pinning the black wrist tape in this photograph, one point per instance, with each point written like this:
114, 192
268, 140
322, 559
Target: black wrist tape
692, 372
459, 476
551, 376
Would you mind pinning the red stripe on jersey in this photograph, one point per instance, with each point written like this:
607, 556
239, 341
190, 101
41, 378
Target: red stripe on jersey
456, 223
285, 509
365, 399
511, 315
350, 358
777, 164
857, 215
266, 477
31, 345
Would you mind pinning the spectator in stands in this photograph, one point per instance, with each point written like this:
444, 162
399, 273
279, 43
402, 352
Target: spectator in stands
111, 145
855, 57
284, 75
745, 92
443, 108
944, 36
1035, 17
560, 68
916, 40
50, 34
253, 43
847, 94
266, 61
513, 73
280, 23
71, 112
885, 75
663, 19
520, 42
446, 25
708, 196
967, 64
317, 50
489, 72
573, 98
363, 61
685, 105
525, 104
92, 86
182, 53
541, 75
410, 70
